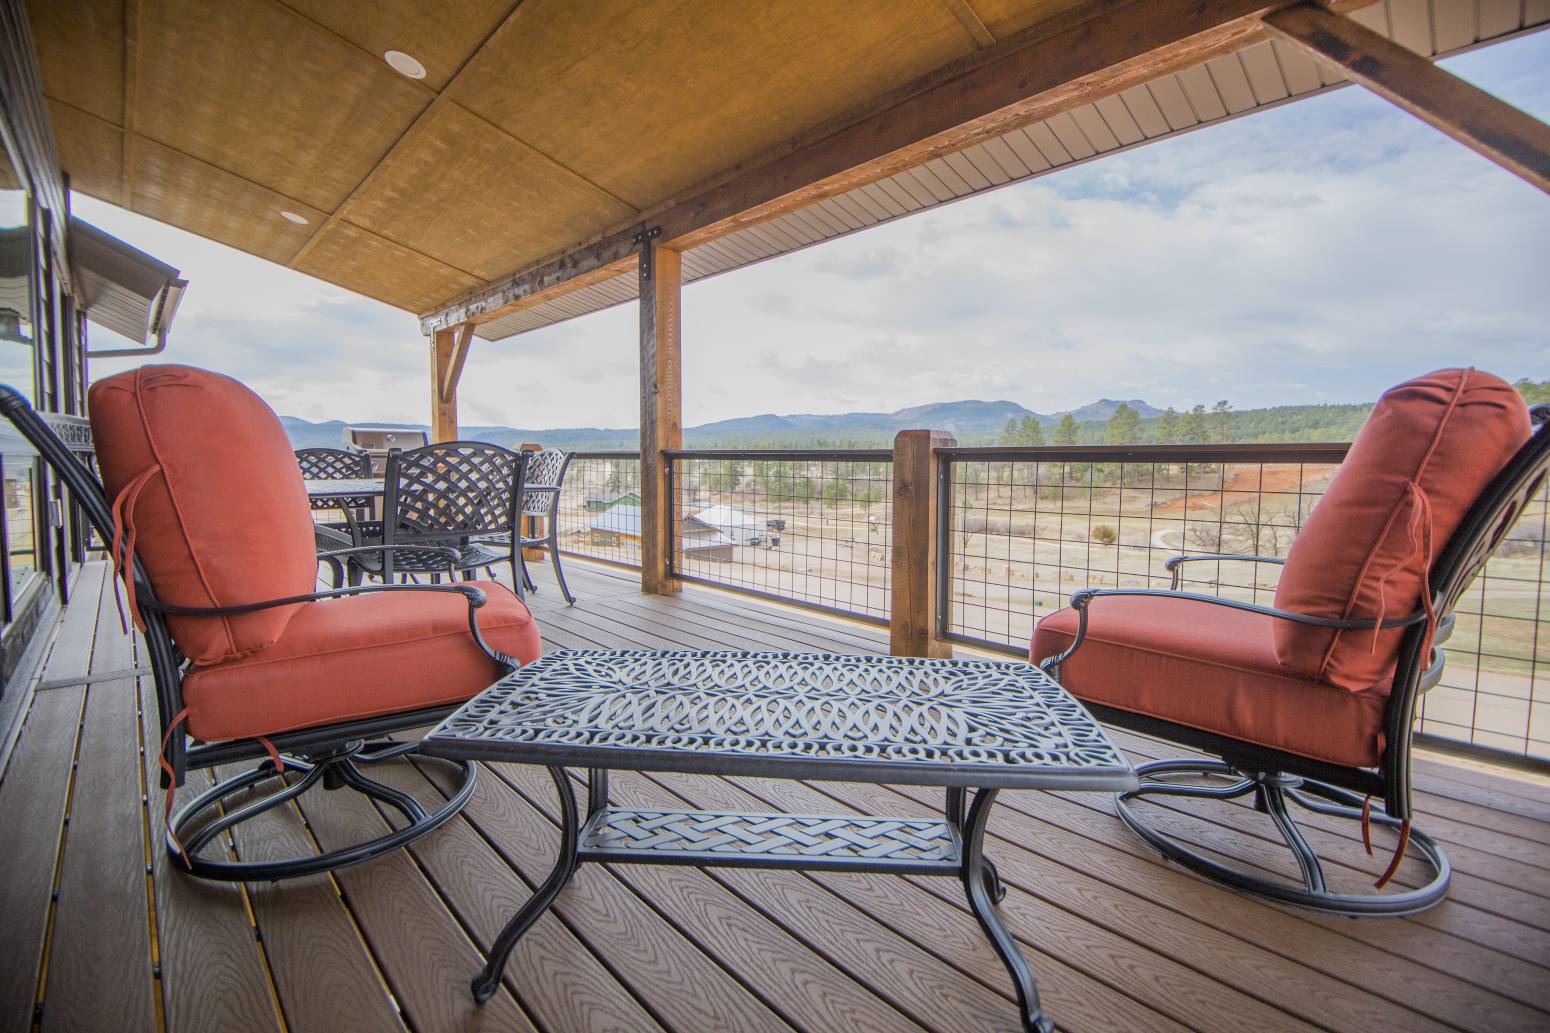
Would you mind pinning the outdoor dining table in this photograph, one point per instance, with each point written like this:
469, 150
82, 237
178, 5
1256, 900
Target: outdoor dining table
964, 725
349, 488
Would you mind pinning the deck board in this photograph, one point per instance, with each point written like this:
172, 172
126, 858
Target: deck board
1118, 940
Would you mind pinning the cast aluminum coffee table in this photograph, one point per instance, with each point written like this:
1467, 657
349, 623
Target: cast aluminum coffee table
961, 724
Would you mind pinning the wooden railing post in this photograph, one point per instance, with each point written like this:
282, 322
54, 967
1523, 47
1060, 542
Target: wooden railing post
913, 611
661, 408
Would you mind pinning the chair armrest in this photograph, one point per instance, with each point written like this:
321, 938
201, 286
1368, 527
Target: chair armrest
475, 595
1173, 563
1081, 602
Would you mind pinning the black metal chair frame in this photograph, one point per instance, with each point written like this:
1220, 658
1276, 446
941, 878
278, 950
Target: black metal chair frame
1276, 777
541, 499
331, 755
462, 496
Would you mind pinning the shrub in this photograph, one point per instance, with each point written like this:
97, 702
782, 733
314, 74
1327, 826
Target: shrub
1103, 534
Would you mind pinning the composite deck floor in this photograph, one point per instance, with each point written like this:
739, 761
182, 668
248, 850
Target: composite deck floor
98, 934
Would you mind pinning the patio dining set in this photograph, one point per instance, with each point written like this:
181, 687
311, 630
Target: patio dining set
1304, 705
448, 509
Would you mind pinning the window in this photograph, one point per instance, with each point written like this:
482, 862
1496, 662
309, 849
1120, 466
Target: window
18, 341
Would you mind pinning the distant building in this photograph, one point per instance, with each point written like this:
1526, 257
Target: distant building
733, 523
620, 525
599, 502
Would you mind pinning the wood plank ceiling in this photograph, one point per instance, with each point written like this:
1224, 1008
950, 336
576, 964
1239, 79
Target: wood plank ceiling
541, 124
536, 124
1263, 75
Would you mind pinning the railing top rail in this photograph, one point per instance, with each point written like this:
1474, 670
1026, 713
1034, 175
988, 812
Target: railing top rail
851, 455
1311, 452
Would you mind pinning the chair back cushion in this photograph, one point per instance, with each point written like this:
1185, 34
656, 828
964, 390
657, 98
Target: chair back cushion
1424, 456
224, 518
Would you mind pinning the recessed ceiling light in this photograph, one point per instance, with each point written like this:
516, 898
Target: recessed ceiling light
300, 220
403, 64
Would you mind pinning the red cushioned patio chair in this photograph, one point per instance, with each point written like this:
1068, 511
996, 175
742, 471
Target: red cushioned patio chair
1312, 702
211, 529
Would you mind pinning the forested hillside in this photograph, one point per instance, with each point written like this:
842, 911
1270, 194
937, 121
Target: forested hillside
973, 423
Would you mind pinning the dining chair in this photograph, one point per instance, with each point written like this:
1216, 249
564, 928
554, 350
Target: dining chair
338, 464
457, 495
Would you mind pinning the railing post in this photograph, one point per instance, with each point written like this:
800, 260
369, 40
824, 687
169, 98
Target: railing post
916, 520
661, 419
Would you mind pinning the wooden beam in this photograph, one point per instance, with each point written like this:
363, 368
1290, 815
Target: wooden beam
454, 372
443, 410
661, 410
1508, 136
1071, 59
912, 625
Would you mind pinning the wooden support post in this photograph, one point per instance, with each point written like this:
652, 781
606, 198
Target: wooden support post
913, 624
449, 350
1513, 139
443, 409
661, 409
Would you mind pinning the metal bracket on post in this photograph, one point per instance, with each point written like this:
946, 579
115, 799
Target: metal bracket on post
645, 238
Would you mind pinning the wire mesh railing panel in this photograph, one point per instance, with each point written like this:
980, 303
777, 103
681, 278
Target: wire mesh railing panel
1028, 527
1028, 530
599, 512
1495, 689
811, 527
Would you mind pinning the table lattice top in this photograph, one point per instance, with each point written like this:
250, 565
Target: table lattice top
791, 715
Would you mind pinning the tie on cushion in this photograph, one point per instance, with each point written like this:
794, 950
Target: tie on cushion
357, 657
1426, 453
1211, 668
220, 514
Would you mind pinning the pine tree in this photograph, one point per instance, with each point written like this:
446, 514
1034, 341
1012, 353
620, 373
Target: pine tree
1029, 433
1168, 427
1221, 420
1124, 426
1065, 430
1009, 432
1192, 427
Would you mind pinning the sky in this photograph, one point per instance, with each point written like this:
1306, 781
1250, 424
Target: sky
1316, 252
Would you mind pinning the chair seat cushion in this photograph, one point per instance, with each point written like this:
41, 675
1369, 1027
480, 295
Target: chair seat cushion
357, 657
1212, 668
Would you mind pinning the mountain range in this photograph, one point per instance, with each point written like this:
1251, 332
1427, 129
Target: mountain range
971, 421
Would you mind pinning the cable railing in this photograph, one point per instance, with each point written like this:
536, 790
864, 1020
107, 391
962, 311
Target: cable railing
1022, 528
805, 526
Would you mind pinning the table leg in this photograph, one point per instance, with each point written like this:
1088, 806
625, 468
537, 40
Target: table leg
954, 807
597, 791
979, 882
489, 978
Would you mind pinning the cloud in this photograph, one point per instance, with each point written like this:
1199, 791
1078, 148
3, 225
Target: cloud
1316, 252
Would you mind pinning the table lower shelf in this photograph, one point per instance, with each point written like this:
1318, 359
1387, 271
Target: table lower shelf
899, 845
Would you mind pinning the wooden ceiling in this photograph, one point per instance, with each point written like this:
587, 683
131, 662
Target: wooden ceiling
538, 125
